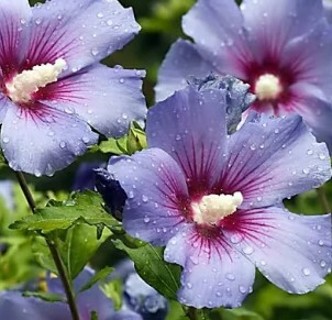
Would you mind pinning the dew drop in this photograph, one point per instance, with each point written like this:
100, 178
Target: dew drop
145, 198
37, 173
306, 271
305, 171
230, 276
5, 139
248, 250
310, 152
86, 139
146, 219
235, 239
62, 144
242, 289
94, 52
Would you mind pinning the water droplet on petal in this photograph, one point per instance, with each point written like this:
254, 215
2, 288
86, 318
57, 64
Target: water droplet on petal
62, 144
242, 289
5, 139
306, 271
248, 250
230, 276
86, 139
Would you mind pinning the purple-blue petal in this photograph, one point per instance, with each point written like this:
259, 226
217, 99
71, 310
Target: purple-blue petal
14, 306
14, 16
318, 118
181, 62
97, 29
214, 274
190, 126
107, 98
271, 24
272, 159
155, 186
45, 141
292, 251
217, 29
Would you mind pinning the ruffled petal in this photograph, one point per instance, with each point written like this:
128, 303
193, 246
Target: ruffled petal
14, 16
181, 62
190, 126
97, 29
292, 251
271, 24
217, 28
42, 140
214, 274
318, 117
157, 194
107, 98
272, 159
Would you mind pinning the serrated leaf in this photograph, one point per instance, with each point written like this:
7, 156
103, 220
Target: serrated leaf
150, 265
113, 290
46, 296
78, 246
42, 254
83, 207
98, 276
114, 146
128, 144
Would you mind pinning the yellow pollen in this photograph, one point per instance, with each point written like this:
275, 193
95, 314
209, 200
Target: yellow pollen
24, 84
213, 208
268, 87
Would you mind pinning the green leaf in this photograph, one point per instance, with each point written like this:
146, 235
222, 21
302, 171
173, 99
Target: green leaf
114, 291
46, 296
82, 207
150, 265
98, 276
42, 254
78, 245
176, 311
130, 143
115, 146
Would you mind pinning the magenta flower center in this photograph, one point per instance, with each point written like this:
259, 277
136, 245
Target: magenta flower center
22, 86
213, 208
268, 87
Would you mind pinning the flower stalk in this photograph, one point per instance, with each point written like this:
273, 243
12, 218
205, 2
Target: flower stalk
53, 250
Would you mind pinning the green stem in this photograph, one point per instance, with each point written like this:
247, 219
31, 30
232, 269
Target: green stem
54, 251
323, 199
